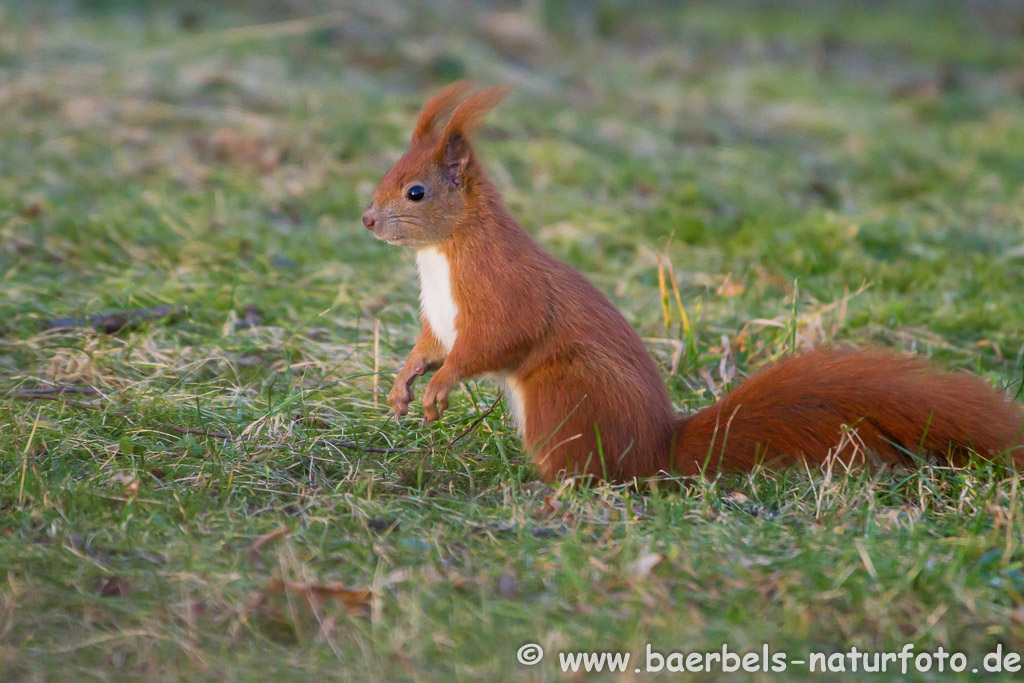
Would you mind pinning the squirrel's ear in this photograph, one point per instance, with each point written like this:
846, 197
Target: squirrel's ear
455, 151
455, 155
439, 107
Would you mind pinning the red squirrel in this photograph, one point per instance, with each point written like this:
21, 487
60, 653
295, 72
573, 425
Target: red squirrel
586, 395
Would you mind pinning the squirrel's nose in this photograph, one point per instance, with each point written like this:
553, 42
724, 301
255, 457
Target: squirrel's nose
368, 219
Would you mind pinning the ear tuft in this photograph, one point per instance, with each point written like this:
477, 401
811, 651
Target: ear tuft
455, 151
438, 108
468, 115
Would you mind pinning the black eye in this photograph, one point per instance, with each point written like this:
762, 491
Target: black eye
415, 193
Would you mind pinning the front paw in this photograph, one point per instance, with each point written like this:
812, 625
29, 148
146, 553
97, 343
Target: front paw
435, 402
400, 397
401, 394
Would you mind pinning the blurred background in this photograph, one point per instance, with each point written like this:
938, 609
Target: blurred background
835, 141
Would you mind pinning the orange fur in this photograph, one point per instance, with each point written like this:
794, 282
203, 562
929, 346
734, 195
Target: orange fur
593, 399
469, 114
894, 407
439, 107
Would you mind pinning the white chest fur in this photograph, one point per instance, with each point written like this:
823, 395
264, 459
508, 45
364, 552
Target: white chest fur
440, 310
436, 295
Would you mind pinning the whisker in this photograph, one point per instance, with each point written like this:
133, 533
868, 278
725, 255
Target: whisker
414, 223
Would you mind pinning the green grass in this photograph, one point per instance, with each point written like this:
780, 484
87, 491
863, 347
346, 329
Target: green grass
155, 157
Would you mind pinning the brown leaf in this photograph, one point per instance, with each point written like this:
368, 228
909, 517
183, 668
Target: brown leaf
257, 545
730, 288
113, 587
550, 507
193, 608
33, 209
315, 594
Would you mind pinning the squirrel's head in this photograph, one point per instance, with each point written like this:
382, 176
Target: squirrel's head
426, 195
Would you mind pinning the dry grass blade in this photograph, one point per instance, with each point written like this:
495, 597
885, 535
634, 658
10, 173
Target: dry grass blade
473, 425
666, 309
679, 302
257, 545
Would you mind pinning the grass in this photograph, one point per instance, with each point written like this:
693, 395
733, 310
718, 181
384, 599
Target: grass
810, 174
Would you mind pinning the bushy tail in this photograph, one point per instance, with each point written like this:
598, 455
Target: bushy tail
875, 405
